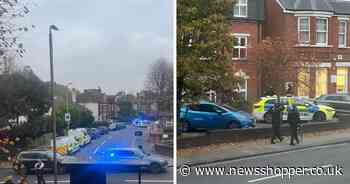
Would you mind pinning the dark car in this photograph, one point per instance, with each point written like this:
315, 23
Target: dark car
31, 157
132, 155
340, 102
103, 130
206, 115
93, 133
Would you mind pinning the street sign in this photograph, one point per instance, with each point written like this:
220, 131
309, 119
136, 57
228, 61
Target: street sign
67, 116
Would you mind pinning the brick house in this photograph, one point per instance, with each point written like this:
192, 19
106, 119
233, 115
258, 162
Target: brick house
318, 27
247, 28
102, 106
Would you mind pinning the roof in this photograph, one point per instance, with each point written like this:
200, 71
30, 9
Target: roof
333, 6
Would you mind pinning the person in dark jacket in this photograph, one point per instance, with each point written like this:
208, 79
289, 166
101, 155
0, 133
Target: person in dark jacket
39, 171
276, 121
293, 120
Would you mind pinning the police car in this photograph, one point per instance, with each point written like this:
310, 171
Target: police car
307, 109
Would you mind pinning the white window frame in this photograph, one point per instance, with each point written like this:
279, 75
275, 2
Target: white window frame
299, 30
318, 31
244, 90
239, 47
239, 4
345, 34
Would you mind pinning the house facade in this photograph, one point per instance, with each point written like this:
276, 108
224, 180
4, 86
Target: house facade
247, 27
102, 106
318, 28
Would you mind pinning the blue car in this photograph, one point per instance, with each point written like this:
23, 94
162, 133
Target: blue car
208, 116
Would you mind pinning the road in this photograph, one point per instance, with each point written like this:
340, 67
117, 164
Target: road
119, 138
323, 156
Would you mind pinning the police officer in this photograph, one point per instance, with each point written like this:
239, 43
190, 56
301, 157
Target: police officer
276, 121
293, 120
39, 169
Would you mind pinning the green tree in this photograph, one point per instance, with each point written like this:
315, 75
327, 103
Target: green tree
204, 48
80, 117
11, 11
125, 103
24, 95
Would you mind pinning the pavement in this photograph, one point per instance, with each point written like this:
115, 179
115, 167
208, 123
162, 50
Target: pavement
119, 138
231, 151
327, 159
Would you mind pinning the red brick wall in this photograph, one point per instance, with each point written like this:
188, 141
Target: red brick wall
248, 66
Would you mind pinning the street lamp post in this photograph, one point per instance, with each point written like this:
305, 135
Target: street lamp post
53, 115
67, 107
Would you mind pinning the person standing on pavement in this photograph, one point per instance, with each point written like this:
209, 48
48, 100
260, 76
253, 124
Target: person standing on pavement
39, 171
293, 121
276, 121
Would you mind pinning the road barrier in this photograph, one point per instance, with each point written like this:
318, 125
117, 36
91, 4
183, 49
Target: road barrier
240, 135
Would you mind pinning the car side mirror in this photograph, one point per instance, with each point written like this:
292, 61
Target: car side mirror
219, 112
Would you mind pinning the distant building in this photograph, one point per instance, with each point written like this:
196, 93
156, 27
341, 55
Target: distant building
146, 102
102, 106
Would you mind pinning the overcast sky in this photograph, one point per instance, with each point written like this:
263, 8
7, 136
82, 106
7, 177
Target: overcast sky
106, 43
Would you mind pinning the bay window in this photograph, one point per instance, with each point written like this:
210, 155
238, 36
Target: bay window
322, 31
304, 30
342, 34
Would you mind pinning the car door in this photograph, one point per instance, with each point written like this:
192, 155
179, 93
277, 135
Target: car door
195, 116
346, 103
128, 157
47, 160
335, 101
332, 101
212, 119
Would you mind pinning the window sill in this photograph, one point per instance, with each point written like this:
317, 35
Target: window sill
317, 46
239, 59
341, 47
302, 45
322, 46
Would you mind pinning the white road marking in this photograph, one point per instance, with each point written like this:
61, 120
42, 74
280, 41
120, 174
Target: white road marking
272, 154
264, 178
58, 181
150, 181
98, 147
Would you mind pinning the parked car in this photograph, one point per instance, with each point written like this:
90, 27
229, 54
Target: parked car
207, 115
307, 109
112, 126
130, 155
93, 133
29, 158
66, 145
121, 125
104, 130
340, 102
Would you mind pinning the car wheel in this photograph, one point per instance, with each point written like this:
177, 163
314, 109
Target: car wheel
185, 126
232, 125
319, 116
155, 168
268, 118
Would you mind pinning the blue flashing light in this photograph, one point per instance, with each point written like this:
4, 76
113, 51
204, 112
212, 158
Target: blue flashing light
112, 154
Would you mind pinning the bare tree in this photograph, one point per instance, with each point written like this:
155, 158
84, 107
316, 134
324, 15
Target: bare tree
280, 67
160, 82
